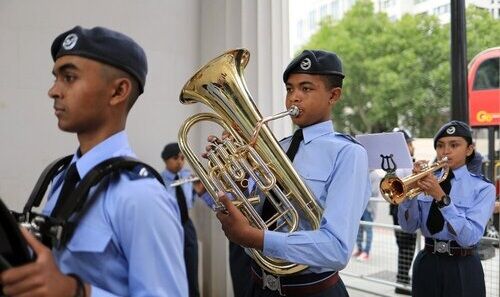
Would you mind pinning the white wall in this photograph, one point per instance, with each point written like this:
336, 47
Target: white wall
178, 37
30, 139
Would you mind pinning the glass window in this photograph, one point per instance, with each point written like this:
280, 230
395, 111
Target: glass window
442, 9
488, 75
300, 29
312, 20
323, 11
335, 10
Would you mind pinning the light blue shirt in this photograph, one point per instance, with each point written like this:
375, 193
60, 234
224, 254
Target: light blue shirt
472, 202
187, 188
336, 171
130, 240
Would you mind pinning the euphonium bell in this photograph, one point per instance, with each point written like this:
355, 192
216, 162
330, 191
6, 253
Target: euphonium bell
251, 151
396, 190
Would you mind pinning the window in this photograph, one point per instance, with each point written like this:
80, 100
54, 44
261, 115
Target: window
312, 20
388, 3
300, 29
335, 10
488, 75
323, 11
442, 9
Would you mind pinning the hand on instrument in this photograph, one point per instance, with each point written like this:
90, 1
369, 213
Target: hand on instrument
430, 186
39, 278
420, 165
214, 139
199, 188
237, 227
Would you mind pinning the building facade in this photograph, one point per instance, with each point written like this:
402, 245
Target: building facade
305, 16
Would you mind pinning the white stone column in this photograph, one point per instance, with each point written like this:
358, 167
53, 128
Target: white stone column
261, 26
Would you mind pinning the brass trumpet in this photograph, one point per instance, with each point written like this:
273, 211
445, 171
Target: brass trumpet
396, 190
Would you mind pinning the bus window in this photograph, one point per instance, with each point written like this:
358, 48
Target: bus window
483, 87
488, 75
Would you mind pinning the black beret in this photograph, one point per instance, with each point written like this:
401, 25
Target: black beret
454, 128
315, 62
405, 132
170, 150
106, 46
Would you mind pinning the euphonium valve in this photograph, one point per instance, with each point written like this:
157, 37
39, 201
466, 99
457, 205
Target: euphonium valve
396, 190
251, 152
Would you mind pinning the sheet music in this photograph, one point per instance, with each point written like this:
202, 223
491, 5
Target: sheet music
386, 144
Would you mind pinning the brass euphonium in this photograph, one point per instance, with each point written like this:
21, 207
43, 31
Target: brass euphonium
251, 151
396, 190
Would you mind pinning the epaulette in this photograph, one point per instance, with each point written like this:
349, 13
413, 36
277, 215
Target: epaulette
481, 176
285, 138
139, 172
348, 137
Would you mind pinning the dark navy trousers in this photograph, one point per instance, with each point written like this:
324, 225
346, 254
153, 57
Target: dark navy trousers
442, 276
191, 257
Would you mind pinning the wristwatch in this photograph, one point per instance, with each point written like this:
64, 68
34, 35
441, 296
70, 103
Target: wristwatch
445, 201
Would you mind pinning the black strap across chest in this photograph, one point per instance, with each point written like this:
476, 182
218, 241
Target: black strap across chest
73, 201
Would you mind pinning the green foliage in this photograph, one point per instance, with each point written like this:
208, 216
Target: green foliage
397, 72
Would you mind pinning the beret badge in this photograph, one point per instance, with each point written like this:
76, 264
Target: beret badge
451, 130
70, 41
305, 64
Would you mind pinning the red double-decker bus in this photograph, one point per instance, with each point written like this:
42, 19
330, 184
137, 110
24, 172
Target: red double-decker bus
484, 88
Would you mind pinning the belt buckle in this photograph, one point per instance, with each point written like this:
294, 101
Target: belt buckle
442, 247
271, 282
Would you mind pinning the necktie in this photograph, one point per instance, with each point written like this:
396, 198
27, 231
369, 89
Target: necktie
297, 137
181, 201
435, 220
71, 178
267, 209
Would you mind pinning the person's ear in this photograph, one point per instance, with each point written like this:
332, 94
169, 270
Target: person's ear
470, 149
121, 88
335, 94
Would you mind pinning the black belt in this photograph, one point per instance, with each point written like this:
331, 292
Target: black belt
295, 285
448, 248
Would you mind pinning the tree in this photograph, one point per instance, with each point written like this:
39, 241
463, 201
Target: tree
482, 31
397, 72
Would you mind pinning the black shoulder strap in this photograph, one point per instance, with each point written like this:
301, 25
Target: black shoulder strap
57, 230
96, 174
43, 182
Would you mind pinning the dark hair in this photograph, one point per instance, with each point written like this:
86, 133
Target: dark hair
332, 81
111, 72
170, 150
469, 159
134, 93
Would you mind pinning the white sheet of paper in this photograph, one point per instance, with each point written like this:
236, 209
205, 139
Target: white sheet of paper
377, 144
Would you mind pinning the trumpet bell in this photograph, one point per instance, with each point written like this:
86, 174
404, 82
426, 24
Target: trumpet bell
395, 190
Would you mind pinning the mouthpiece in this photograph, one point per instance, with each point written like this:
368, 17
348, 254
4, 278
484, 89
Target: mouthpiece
294, 111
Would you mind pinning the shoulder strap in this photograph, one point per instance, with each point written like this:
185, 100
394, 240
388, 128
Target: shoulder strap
44, 180
96, 174
348, 137
75, 205
57, 230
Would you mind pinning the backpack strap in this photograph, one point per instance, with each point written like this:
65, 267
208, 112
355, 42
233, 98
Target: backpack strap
97, 174
56, 231
44, 180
